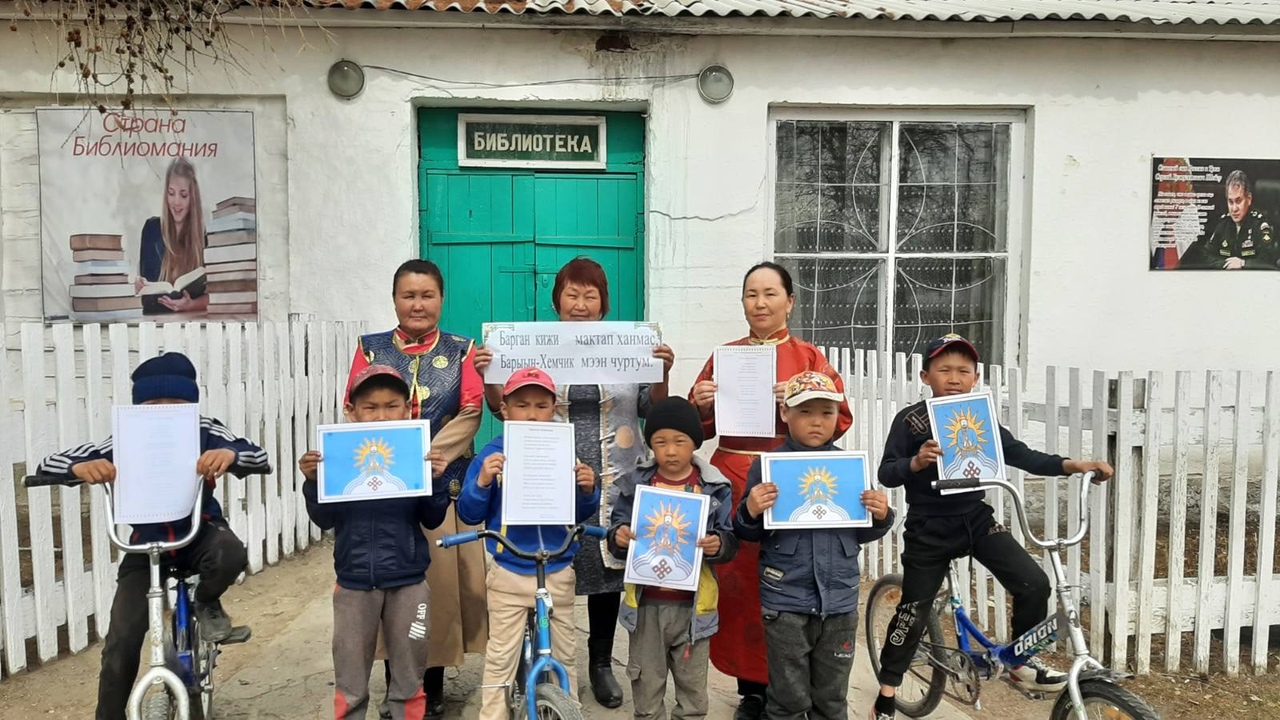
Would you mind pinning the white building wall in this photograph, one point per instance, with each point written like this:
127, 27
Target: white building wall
338, 180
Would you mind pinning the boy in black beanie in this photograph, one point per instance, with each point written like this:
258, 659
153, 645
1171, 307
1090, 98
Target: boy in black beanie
671, 629
216, 554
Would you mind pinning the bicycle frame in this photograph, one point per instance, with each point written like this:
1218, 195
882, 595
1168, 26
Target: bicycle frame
186, 639
543, 662
158, 672
1031, 642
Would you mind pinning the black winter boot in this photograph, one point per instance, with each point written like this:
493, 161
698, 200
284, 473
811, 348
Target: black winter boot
604, 686
750, 707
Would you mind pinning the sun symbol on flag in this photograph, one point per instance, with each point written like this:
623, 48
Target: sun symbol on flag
667, 525
818, 485
966, 432
377, 448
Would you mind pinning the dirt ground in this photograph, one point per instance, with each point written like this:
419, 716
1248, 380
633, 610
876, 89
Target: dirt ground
284, 672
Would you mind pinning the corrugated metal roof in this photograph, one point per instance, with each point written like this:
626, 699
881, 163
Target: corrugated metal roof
1220, 12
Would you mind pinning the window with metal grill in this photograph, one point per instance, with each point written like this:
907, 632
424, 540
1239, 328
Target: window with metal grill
895, 231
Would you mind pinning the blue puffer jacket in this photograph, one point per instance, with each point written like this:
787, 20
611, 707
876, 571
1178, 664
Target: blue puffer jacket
811, 572
380, 543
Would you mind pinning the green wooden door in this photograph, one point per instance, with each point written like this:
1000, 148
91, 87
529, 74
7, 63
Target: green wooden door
479, 229
597, 216
500, 236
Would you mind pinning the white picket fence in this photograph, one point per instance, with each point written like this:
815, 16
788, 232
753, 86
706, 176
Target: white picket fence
268, 382
1178, 448
1186, 454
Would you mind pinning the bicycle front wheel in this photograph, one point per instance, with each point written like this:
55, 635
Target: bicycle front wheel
924, 682
1103, 700
554, 704
157, 705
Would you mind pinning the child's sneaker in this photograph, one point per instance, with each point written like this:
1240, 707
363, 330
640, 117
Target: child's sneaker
215, 625
1035, 675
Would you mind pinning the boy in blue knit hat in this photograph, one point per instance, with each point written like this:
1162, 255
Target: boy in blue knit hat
216, 554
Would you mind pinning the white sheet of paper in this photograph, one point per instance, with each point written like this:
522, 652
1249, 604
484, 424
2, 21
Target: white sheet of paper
155, 449
745, 376
576, 353
538, 480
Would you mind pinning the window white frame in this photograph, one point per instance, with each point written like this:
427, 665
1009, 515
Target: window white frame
1016, 221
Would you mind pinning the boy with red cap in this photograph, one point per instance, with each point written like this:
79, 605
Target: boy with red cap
382, 584
217, 555
941, 528
528, 396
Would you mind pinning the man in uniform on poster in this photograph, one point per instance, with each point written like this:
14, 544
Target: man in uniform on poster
1242, 240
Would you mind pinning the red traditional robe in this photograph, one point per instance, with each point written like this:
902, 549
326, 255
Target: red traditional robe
737, 649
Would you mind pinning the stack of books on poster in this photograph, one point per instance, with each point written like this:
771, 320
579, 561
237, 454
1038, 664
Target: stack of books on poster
102, 291
231, 258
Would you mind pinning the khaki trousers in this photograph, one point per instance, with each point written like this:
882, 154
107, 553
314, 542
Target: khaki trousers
510, 598
660, 644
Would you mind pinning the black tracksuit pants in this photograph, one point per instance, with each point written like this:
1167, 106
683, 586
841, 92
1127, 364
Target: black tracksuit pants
931, 543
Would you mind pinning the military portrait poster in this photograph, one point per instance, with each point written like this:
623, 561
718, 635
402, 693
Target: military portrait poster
667, 525
147, 215
817, 490
967, 428
373, 461
1214, 213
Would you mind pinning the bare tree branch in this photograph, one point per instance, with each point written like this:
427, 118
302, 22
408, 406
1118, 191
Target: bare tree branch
121, 49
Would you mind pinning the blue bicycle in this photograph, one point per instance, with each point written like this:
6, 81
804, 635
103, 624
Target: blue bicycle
956, 660
552, 696
178, 683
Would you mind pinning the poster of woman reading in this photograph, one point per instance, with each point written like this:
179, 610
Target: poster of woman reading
147, 215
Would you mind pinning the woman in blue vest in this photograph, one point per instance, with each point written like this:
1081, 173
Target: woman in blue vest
607, 435
447, 390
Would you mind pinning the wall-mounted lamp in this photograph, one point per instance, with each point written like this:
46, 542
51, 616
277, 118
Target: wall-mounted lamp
346, 79
715, 84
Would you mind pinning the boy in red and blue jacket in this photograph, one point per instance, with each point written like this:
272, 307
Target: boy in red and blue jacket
216, 554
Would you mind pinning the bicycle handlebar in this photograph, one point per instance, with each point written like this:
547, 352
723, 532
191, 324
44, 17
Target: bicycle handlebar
1020, 505
540, 555
47, 480
44, 480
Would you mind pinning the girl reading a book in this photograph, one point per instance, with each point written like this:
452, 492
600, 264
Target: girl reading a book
171, 261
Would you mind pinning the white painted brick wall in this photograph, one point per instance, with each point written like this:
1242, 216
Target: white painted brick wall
339, 196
